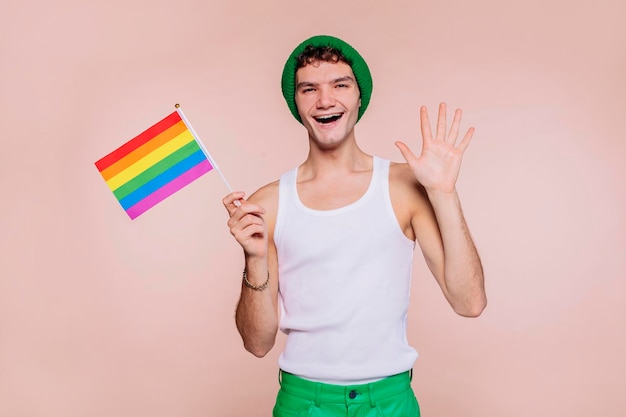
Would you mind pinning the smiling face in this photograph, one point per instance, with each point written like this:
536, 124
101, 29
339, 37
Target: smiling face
328, 99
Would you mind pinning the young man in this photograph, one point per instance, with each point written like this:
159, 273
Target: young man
335, 238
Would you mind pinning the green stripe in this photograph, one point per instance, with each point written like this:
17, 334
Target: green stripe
156, 169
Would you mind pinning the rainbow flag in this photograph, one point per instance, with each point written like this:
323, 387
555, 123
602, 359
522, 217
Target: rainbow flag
154, 165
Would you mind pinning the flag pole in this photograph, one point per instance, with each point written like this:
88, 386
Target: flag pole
206, 152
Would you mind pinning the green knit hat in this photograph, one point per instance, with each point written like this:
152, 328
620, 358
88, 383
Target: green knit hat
356, 61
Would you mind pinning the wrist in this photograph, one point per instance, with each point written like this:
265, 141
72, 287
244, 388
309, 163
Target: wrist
442, 195
255, 287
255, 262
444, 202
255, 272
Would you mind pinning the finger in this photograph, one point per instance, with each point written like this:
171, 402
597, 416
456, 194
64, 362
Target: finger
425, 124
466, 139
244, 236
408, 155
245, 227
456, 124
246, 209
441, 122
254, 230
242, 225
232, 200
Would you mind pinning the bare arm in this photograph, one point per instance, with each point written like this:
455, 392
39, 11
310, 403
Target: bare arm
439, 223
252, 226
451, 254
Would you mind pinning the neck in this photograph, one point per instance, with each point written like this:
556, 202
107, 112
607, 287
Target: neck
328, 163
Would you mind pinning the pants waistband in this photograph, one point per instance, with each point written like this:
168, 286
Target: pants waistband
328, 393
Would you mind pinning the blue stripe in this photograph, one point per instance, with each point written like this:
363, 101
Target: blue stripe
162, 179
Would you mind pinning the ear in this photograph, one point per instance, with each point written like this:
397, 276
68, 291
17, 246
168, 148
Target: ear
359, 102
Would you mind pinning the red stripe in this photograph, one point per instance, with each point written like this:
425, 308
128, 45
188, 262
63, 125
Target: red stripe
139, 140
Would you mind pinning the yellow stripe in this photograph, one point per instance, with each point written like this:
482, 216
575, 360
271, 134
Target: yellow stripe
147, 161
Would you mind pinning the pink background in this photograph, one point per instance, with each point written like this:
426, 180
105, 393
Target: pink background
103, 316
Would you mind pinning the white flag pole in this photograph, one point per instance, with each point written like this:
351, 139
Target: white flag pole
204, 149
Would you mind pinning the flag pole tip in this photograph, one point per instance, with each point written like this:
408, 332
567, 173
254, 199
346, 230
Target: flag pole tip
177, 105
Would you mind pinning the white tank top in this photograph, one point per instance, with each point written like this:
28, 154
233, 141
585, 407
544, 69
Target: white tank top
344, 281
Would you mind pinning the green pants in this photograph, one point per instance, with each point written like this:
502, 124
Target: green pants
390, 397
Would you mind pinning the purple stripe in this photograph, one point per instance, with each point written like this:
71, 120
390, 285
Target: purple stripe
169, 189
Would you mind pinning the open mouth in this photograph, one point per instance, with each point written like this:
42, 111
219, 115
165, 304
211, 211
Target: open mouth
328, 118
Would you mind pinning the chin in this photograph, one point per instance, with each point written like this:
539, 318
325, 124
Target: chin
329, 142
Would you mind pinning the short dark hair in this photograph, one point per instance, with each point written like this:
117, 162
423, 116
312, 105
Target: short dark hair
313, 54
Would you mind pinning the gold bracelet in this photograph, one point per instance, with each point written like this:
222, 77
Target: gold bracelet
252, 286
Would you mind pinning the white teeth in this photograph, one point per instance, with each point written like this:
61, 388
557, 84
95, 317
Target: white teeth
328, 116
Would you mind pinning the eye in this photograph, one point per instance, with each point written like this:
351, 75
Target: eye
307, 90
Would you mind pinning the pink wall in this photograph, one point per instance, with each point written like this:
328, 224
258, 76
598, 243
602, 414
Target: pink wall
101, 316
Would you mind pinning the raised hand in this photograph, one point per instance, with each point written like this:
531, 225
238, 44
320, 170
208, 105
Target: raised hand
437, 168
246, 224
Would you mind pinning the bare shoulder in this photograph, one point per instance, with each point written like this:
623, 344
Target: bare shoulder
267, 197
265, 194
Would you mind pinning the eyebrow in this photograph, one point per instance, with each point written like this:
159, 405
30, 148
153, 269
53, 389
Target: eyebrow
335, 81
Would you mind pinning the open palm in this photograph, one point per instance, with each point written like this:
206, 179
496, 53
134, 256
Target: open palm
437, 168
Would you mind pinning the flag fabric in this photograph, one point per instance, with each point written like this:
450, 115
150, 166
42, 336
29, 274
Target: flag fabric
154, 165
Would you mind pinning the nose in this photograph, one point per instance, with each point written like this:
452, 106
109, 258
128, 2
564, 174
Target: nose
325, 98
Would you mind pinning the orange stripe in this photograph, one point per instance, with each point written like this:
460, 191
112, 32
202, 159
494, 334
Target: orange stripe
143, 150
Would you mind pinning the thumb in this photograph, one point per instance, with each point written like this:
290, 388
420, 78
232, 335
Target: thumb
406, 152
